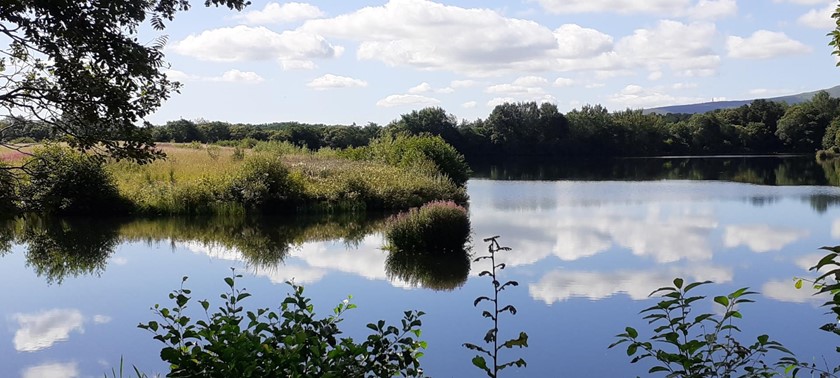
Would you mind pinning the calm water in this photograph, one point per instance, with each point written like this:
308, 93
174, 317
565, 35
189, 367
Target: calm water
588, 244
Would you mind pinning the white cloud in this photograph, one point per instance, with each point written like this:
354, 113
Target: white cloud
293, 64
761, 238
330, 81
231, 76
684, 86
446, 90
276, 13
819, 18
52, 370
457, 84
499, 100
560, 285
41, 330
469, 104
420, 88
101, 319
432, 36
406, 100
620, 6
703, 9
764, 44
714, 9
801, 2
682, 47
530, 81
245, 43
237, 76
561, 82
655, 75
178, 75
635, 96
575, 41
768, 92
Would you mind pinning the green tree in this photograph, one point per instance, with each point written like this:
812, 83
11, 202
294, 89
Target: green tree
78, 67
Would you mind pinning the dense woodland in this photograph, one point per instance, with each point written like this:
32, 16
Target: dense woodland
531, 129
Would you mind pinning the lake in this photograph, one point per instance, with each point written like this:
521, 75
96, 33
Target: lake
590, 240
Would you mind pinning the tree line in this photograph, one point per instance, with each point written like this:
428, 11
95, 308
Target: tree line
526, 129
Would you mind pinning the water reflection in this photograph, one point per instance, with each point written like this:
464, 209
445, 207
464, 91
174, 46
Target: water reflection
57, 248
560, 285
761, 238
43, 329
763, 170
429, 270
52, 370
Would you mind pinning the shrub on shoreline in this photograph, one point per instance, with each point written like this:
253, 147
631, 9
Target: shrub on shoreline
422, 153
8, 191
264, 183
439, 227
64, 181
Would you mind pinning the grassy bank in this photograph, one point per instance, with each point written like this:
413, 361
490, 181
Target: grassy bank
270, 178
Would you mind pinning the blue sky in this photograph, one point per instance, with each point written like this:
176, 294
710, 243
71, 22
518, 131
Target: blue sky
370, 61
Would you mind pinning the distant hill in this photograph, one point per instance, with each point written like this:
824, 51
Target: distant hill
715, 105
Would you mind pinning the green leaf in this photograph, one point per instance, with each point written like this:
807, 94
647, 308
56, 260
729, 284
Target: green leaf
798, 284
678, 282
722, 300
632, 332
480, 363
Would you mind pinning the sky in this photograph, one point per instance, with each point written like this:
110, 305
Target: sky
344, 62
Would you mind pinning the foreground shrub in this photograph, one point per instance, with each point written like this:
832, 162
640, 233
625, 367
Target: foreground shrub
436, 227
264, 183
233, 342
702, 345
63, 181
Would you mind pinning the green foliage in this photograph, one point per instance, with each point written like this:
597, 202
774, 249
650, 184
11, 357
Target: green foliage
63, 181
8, 191
423, 153
96, 91
234, 342
238, 153
436, 228
827, 283
702, 345
491, 338
264, 183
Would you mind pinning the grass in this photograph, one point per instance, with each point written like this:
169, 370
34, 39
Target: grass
198, 179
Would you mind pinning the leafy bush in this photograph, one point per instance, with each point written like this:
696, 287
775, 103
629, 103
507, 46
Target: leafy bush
703, 345
437, 227
8, 191
292, 343
63, 181
418, 152
264, 183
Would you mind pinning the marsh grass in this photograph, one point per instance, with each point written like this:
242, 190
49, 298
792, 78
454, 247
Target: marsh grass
436, 228
193, 181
